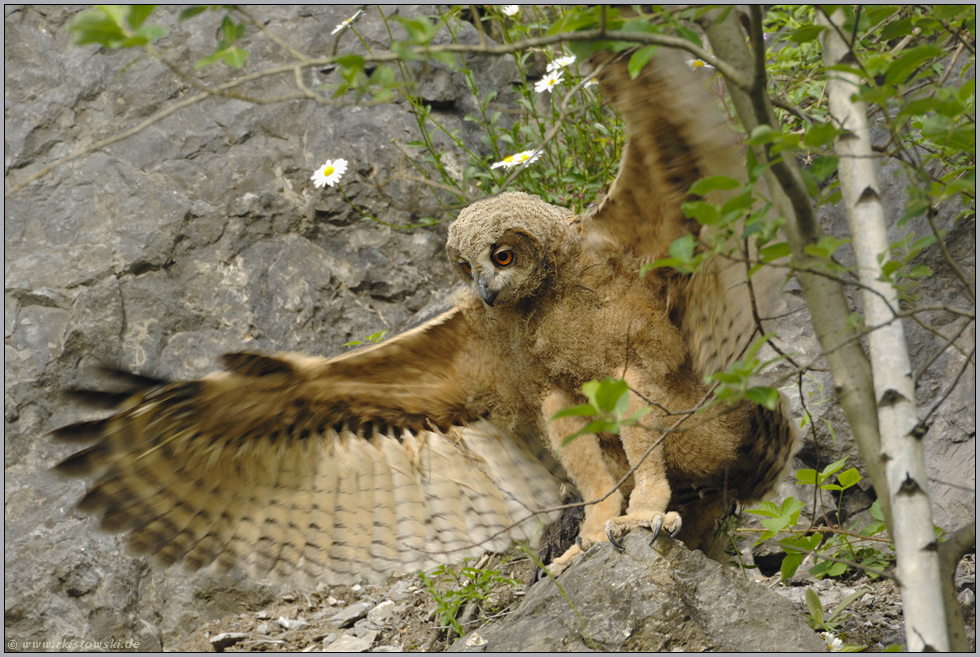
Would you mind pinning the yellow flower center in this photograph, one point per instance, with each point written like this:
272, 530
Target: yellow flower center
328, 170
509, 158
697, 63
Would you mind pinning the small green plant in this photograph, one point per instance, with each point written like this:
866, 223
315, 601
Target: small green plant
374, 337
844, 549
830, 624
608, 403
466, 585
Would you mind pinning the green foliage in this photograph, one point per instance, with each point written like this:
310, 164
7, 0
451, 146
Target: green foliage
830, 623
735, 383
837, 550
227, 51
608, 403
374, 337
115, 26
465, 585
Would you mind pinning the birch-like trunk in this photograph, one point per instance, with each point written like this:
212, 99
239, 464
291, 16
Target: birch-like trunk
918, 568
824, 296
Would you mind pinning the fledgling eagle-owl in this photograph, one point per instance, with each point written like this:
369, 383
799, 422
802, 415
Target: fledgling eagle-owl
434, 445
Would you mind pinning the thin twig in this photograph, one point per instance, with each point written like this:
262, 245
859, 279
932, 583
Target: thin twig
930, 217
924, 421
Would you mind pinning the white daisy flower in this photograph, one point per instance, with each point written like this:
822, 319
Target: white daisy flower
695, 64
511, 10
329, 173
561, 62
347, 22
589, 83
517, 159
835, 644
548, 81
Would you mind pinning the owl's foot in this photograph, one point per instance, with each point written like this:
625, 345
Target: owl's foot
618, 527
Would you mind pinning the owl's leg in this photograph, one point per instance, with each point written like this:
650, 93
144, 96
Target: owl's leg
651, 494
583, 461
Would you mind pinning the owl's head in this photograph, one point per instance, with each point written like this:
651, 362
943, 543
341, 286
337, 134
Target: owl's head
504, 247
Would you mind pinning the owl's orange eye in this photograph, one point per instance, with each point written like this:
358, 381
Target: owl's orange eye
503, 257
465, 266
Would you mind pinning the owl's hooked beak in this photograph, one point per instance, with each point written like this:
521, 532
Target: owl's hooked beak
486, 293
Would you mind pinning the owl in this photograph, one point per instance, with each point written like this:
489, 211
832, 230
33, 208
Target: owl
437, 444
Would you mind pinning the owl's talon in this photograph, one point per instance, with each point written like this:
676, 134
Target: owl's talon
655, 527
677, 530
612, 539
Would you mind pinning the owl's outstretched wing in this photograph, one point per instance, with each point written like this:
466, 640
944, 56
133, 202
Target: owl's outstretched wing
337, 470
676, 135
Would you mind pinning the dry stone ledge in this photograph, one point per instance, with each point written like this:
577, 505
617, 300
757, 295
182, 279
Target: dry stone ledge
649, 599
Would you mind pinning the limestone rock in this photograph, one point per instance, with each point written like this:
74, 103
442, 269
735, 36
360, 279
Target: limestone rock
648, 599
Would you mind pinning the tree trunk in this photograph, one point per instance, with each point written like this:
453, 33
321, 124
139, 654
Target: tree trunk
901, 441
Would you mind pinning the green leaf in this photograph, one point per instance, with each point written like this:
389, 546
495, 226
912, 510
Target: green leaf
832, 468
596, 426
899, 28
579, 410
823, 167
762, 134
639, 59
689, 35
351, 61
947, 107
806, 476
791, 563
229, 31
806, 33
95, 26
774, 525
450, 59
711, 183
612, 396
420, 30
908, 60
774, 252
737, 204
662, 262
191, 12
816, 609
210, 59
116, 13
767, 397
819, 134
791, 508
151, 33
766, 508
138, 14
683, 248
849, 477
235, 57
846, 602
706, 213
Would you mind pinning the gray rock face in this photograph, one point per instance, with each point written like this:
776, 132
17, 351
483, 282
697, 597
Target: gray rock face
648, 599
199, 235
203, 234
